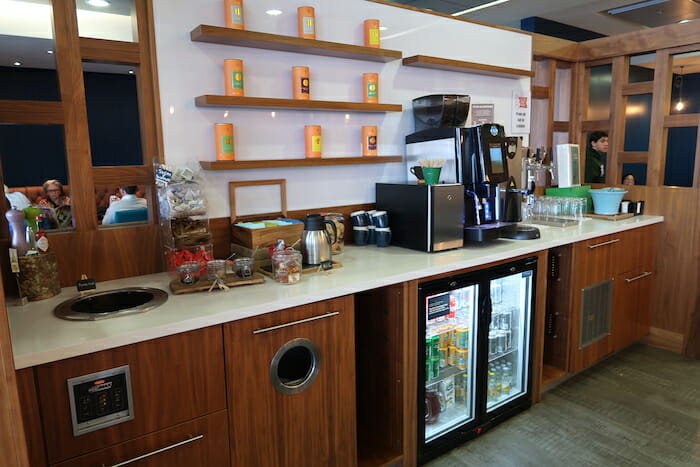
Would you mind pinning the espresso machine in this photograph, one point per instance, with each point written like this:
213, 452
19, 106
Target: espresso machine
475, 157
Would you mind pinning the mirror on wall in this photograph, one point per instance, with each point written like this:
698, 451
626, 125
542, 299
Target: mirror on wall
113, 20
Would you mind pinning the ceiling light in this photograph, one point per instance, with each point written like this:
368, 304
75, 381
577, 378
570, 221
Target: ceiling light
480, 7
274, 12
98, 3
17, 63
49, 51
684, 21
679, 104
635, 6
131, 72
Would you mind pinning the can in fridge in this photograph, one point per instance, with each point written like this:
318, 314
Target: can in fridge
462, 338
434, 367
462, 359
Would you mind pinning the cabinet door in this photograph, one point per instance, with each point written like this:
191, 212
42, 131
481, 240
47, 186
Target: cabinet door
595, 260
310, 419
173, 379
202, 442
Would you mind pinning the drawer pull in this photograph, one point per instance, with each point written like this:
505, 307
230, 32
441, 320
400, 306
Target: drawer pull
292, 323
590, 247
641, 276
158, 451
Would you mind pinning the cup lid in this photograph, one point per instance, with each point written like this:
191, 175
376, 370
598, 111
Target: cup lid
359, 228
357, 213
378, 213
382, 229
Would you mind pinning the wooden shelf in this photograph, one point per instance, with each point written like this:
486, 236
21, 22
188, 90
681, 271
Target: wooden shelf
269, 164
209, 100
436, 63
261, 40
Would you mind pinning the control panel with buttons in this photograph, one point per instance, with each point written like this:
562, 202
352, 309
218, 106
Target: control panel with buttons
99, 400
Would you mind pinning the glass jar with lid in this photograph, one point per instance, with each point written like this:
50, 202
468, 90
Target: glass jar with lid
286, 266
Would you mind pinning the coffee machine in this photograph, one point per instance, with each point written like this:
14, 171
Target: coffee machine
475, 157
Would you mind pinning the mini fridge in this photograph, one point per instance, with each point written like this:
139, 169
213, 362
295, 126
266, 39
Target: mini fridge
474, 353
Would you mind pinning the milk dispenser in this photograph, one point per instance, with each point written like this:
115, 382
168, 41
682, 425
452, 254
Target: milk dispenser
475, 157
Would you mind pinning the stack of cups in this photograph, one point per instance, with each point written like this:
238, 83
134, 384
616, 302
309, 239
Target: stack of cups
371, 227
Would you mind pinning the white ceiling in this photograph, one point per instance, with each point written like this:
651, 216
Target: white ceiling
586, 14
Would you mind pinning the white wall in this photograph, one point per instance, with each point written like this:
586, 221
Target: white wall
187, 69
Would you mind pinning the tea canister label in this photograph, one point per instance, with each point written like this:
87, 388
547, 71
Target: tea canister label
237, 80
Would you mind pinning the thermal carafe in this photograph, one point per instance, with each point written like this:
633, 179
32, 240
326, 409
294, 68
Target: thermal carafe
315, 240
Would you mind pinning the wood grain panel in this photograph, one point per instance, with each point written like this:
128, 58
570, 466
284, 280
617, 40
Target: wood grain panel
559, 306
659, 109
174, 379
262, 40
632, 89
437, 63
274, 103
210, 450
540, 92
13, 444
31, 112
107, 254
681, 120
410, 376
620, 72
635, 42
323, 161
539, 314
552, 47
594, 125
123, 175
379, 316
314, 427
103, 50
31, 417
664, 339
77, 139
561, 127
631, 157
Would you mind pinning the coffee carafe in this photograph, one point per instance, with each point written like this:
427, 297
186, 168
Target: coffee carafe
315, 240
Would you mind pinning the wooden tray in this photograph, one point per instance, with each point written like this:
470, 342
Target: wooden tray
611, 217
307, 269
231, 280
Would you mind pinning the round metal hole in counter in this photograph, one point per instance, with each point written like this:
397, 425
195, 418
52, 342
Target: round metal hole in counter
110, 303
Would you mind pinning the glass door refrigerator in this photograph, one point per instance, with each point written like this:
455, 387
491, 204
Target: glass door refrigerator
474, 353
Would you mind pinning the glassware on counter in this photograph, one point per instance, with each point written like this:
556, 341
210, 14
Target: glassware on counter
188, 272
244, 267
216, 269
286, 266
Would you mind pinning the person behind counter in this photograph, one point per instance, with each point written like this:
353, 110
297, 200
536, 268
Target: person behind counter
595, 157
629, 179
57, 200
128, 201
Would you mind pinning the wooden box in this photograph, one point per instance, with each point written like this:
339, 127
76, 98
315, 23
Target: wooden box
262, 238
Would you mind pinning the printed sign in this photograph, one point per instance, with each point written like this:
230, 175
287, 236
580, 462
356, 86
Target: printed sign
482, 113
437, 306
520, 121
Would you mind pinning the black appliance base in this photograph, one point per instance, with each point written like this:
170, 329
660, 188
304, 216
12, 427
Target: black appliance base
488, 232
524, 232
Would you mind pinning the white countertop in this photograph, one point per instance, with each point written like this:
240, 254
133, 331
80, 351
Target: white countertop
40, 337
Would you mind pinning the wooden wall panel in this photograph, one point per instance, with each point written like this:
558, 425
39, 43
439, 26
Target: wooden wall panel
13, 447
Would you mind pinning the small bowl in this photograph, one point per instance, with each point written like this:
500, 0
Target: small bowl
606, 201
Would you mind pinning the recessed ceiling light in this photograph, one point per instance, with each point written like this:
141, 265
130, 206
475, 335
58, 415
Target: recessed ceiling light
49, 51
274, 12
131, 72
684, 21
98, 3
17, 63
479, 7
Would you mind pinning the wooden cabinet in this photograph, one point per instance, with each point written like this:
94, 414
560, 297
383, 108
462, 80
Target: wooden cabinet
174, 379
202, 442
610, 294
308, 420
634, 288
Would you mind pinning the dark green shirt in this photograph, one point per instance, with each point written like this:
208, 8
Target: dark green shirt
595, 167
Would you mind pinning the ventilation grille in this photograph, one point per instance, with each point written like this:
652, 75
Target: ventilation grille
596, 310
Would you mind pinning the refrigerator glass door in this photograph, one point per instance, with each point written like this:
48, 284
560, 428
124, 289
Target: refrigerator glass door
450, 360
509, 338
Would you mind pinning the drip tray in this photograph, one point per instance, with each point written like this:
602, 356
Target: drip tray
552, 221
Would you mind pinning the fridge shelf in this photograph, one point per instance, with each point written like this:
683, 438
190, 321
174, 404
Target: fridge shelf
449, 420
502, 354
445, 373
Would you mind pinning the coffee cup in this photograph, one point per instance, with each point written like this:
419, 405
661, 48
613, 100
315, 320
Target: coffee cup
383, 236
371, 234
380, 219
360, 234
359, 218
417, 170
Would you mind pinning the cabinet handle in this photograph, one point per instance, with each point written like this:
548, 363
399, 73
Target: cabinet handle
590, 247
641, 276
157, 451
292, 323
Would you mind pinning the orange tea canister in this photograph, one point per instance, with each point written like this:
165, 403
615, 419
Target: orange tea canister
233, 12
224, 142
300, 82
233, 73
369, 140
370, 83
307, 22
371, 33
312, 138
